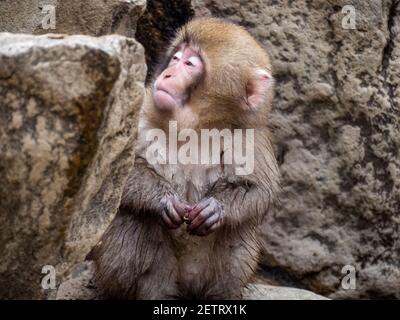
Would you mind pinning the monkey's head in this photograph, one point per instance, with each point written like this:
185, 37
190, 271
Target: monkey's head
214, 71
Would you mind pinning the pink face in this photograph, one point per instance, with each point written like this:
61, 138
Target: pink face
172, 87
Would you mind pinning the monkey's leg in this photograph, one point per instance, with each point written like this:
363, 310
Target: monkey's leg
236, 256
134, 261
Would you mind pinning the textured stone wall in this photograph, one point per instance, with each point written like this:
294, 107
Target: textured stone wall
92, 17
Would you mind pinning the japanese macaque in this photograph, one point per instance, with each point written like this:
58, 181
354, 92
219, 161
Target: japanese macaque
192, 231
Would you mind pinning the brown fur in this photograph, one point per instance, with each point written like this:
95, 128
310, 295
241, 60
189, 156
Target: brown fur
138, 257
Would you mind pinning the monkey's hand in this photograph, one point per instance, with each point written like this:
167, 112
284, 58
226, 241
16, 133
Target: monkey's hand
205, 217
173, 210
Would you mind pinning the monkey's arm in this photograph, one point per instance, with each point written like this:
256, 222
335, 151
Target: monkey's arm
231, 202
242, 199
147, 192
250, 196
234, 199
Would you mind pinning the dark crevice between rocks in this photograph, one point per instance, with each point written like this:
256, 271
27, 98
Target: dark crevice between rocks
279, 276
118, 15
388, 51
158, 25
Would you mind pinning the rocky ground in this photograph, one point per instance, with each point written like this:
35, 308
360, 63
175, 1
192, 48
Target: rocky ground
80, 285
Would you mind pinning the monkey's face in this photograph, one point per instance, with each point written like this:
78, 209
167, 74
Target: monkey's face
172, 87
215, 74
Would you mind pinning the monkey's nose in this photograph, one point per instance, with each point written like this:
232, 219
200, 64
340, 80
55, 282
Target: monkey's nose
167, 76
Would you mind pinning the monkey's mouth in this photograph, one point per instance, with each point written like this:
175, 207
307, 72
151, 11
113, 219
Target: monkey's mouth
166, 100
165, 91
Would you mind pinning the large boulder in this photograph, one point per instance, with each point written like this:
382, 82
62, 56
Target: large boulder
94, 17
68, 111
337, 127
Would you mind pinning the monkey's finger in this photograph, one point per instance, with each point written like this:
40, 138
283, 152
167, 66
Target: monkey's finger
206, 232
188, 208
197, 209
211, 229
168, 221
173, 215
200, 218
181, 208
202, 230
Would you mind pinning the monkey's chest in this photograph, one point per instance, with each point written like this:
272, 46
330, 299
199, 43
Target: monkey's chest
192, 182
196, 254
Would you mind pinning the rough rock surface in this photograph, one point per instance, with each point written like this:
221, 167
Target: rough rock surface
258, 291
79, 285
95, 17
68, 109
338, 135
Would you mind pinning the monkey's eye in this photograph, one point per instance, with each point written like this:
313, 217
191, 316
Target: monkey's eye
193, 61
177, 56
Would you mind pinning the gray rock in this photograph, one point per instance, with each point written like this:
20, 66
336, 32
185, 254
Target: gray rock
68, 111
95, 17
79, 284
267, 292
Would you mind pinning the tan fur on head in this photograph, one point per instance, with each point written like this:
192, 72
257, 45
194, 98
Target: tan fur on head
232, 57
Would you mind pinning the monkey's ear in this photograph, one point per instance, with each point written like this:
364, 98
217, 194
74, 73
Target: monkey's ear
256, 88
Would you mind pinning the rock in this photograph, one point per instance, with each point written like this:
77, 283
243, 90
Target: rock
338, 135
79, 285
68, 111
94, 17
267, 292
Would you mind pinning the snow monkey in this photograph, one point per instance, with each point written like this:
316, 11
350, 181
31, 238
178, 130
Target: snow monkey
187, 230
